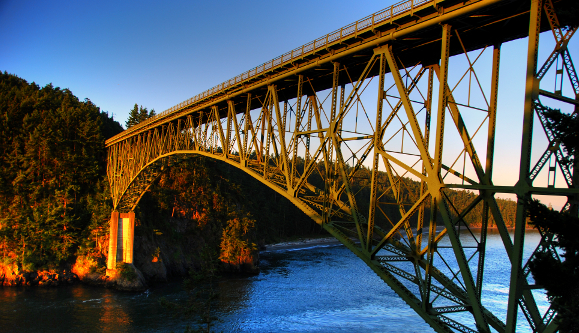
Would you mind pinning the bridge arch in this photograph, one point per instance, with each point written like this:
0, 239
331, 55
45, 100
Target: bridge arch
132, 202
244, 122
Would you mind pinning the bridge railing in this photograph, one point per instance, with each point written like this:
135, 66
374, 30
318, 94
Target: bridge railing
351, 29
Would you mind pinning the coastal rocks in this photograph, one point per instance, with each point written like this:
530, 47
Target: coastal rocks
126, 277
8, 275
159, 258
154, 270
88, 271
12, 275
245, 268
244, 265
44, 278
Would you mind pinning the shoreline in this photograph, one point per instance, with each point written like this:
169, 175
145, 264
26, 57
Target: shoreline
301, 244
307, 243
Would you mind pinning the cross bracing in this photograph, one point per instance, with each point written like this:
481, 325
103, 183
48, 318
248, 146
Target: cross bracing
379, 97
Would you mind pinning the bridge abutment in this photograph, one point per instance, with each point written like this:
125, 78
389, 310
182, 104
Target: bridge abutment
121, 238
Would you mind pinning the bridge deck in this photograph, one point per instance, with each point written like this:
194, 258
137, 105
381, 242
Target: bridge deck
413, 31
312, 164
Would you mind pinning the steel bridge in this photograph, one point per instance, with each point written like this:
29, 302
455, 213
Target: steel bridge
310, 113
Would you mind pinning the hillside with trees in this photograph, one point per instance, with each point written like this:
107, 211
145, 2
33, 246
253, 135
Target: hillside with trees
52, 166
55, 202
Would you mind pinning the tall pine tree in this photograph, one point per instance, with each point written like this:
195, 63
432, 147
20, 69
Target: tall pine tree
137, 115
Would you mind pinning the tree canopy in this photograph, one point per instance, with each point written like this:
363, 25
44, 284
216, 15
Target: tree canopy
138, 114
565, 128
52, 168
559, 277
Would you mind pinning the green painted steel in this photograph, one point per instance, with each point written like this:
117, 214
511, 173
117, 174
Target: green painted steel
302, 125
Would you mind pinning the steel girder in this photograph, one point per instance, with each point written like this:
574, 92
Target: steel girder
311, 141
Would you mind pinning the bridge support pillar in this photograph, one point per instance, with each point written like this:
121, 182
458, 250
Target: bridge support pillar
121, 237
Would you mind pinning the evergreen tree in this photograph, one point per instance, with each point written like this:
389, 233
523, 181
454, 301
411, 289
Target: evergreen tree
145, 114
565, 127
110, 127
560, 277
138, 114
133, 117
52, 156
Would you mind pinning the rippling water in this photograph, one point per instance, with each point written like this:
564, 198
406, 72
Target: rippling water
321, 289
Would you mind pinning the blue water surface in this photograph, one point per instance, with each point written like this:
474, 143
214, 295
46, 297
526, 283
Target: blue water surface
320, 289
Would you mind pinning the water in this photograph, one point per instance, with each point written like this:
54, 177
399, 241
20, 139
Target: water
323, 289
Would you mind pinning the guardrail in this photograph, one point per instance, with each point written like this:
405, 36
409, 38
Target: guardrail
353, 28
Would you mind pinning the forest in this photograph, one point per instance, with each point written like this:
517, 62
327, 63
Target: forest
55, 202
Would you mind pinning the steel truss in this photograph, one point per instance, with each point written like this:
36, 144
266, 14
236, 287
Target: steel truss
311, 146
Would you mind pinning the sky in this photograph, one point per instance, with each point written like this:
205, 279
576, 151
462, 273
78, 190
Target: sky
156, 53
160, 53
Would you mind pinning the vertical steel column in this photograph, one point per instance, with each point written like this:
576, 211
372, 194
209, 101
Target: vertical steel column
351, 198
330, 165
281, 131
267, 118
246, 154
342, 95
217, 120
283, 127
324, 150
377, 146
330, 176
231, 107
524, 184
263, 113
309, 126
205, 130
338, 129
427, 118
297, 128
442, 97
333, 125
442, 102
227, 149
489, 162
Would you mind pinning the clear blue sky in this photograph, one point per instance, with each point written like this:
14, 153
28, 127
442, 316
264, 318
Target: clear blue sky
158, 54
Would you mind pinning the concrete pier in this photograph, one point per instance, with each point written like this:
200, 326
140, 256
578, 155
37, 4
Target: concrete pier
121, 237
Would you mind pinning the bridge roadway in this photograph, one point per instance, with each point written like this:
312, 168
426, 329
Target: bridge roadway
302, 125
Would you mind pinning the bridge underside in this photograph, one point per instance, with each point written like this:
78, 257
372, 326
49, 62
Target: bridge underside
344, 132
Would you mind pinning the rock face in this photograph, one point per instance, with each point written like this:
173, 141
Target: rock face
127, 277
117, 279
160, 257
157, 257
87, 271
154, 271
246, 266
